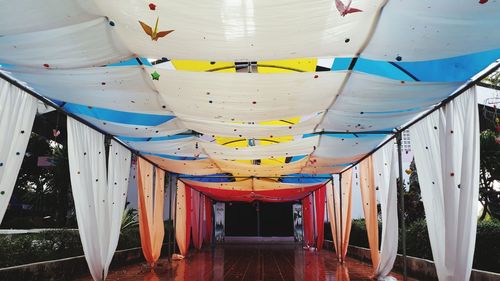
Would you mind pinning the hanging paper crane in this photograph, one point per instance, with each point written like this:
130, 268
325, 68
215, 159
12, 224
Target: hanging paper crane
345, 9
154, 33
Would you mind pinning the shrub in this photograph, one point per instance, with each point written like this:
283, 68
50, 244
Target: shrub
487, 250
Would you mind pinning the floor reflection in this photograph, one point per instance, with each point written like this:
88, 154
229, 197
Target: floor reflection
250, 262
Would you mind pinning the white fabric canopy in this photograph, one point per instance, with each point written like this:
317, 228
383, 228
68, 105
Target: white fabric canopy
243, 31
346, 147
185, 147
302, 146
90, 43
232, 129
171, 127
370, 103
385, 173
247, 97
434, 29
446, 145
99, 199
17, 112
125, 88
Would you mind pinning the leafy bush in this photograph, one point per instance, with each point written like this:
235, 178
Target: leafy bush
20, 249
487, 250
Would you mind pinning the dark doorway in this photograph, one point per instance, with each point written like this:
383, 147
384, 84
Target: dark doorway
241, 219
276, 219
259, 219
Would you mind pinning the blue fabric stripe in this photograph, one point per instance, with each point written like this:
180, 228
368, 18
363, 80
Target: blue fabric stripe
123, 117
136, 139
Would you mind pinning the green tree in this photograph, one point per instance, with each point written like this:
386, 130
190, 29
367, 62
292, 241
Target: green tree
489, 173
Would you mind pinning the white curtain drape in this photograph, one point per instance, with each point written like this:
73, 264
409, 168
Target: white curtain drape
446, 145
17, 112
385, 174
99, 199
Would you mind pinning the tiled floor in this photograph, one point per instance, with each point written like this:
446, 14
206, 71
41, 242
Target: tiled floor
269, 262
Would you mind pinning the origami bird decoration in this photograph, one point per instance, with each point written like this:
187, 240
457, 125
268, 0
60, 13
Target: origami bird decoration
154, 33
345, 9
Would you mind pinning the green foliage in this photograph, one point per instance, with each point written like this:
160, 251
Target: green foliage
489, 172
487, 250
129, 219
28, 248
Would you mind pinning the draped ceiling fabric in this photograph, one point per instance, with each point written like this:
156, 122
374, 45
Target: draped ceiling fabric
328, 68
17, 112
99, 198
446, 147
150, 185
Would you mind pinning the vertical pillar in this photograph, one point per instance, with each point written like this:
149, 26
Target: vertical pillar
335, 222
402, 205
169, 190
174, 218
341, 220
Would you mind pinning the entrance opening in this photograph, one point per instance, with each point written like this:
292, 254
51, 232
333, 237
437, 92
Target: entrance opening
259, 219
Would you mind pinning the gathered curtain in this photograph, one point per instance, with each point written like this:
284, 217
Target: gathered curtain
151, 203
446, 146
17, 112
99, 196
369, 202
340, 213
385, 173
183, 217
319, 208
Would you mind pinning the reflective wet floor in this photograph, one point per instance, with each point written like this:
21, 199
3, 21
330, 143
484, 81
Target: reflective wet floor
238, 261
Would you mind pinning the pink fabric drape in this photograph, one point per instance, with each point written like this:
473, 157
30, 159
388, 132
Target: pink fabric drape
208, 220
307, 220
319, 201
196, 218
369, 199
151, 200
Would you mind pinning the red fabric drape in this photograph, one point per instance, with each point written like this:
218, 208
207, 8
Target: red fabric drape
196, 219
319, 201
307, 219
208, 220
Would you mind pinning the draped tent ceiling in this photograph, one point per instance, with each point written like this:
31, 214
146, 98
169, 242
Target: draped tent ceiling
248, 88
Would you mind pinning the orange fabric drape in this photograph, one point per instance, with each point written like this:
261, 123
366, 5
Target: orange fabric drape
340, 222
151, 200
369, 199
319, 201
208, 220
307, 220
183, 217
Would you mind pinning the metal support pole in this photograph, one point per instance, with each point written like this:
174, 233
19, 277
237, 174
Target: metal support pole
335, 222
174, 219
169, 187
402, 205
341, 246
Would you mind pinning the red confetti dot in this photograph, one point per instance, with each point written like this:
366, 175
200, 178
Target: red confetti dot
46, 65
152, 6
254, 102
452, 174
483, 1
316, 76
